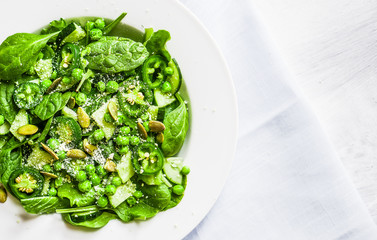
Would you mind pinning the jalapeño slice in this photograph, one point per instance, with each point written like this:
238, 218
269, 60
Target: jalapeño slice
148, 159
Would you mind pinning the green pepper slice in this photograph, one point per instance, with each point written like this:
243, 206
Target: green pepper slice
153, 71
148, 159
26, 182
67, 59
27, 95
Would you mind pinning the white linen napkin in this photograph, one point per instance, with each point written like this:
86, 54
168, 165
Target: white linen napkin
287, 181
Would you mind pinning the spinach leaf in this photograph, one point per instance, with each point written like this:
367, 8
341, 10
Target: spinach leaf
41, 205
156, 196
19, 52
176, 126
98, 222
11, 160
51, 104
75, 197
140, 211
115, 54
7, 107
156, 43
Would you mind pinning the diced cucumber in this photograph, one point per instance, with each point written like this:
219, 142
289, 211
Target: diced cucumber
163, 99
71, 33
99, 118
124, 168
172, 169
155, 179
66, 111
38, 158
5, 128
123, 192
175, 79
20, 120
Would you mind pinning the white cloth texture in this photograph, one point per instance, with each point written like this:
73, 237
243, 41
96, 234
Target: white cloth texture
287, 180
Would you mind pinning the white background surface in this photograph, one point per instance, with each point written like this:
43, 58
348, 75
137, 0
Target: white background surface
305, 74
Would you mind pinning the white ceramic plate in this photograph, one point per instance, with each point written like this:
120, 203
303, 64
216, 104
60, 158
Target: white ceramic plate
210, 146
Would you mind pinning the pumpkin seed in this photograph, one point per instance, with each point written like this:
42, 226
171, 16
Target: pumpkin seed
110, 166
54, 84
143, 133
27, 129
47, 174
3, 194
160, 137
76, 153
156, 126
113, 110
89, 148
50, 151
71, 102
83, 118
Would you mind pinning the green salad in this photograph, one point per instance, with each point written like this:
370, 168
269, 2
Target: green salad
91, 122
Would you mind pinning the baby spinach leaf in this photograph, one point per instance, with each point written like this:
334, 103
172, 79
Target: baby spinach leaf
115, 54
176, 126
11, 160
51, 104
7, 107
75, 197
42, 205
156, 196
98, 222
156, 43
140, 211
19, 52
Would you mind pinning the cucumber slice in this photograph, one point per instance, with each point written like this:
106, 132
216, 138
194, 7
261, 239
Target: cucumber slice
66, 111
175, 79
71, 33
124, 168
172, 169
38, 158
163, 99
5, 128
66, 129
123, 192
84, 216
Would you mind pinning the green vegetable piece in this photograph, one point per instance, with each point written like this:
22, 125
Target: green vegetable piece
81, 98
185, 170
157, 196
43, 205
153, 71
98, 222
85, 186
96, 180
156, 43
101, 86
123, 192
90, 168
100, 23
166, 87
116, 181
66, 130
124, 167
75, 196
81, 176
27, 95
176, 124
98, 135
58, 165
131, 201
77, 74
43, 68
19, 52
52, 192
110, 190
47, 168
70, 34
46, 83
122, 140
51, 104
53, 143
115, 54
95, 34
148, 159
7, 107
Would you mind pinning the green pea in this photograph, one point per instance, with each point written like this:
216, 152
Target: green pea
166, 87
99, 23
77, 74
131, 200
137, 194
185, 170
135, 140
47, 168
81, 98
58, 165
124, 130
58, 182
108, 118
96, 180
52, 192
53, 143
90, 168
2, 120
121, 119
178, 189
101, 86
81, 176
124, 150
85, 186
89, 25
46, 83
122, 140
116, 181
62, 155
168, 71
102, 201
110, 189
99, 134
95, 34
100, 171
112, 86
66, 80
